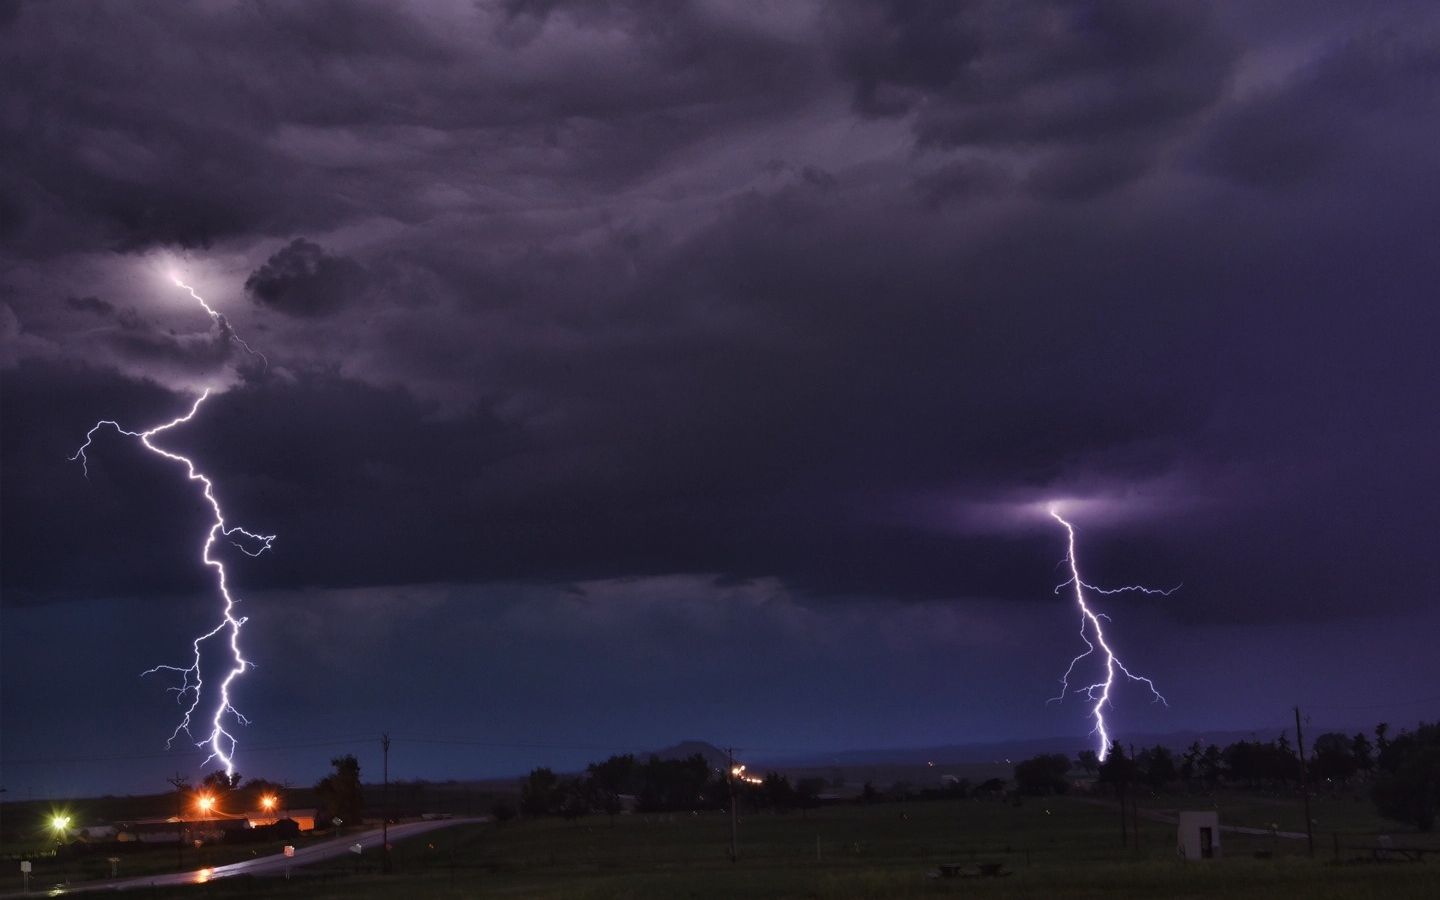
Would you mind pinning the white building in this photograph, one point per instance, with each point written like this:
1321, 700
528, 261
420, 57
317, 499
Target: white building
1198, 835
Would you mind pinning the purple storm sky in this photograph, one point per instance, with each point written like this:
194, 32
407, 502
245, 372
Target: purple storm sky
641, 371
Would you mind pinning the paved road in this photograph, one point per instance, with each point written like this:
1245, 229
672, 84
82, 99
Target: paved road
265, 865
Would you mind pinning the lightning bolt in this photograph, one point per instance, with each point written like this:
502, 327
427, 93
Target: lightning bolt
220, 710
220, 320
1099, 692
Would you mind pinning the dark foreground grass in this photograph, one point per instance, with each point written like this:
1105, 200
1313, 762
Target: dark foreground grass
79, 867
1243, 879
1065, 848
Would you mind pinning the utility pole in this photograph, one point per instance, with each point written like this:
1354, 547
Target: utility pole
385, 812
734, 813
1135, 800
180, 783
1120, 786
1304, 790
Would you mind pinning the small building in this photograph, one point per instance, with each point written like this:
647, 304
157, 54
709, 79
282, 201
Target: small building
173, 830
152, 831
1198, 835
304, 818
96, 833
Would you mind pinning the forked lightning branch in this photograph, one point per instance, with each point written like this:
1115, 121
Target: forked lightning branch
1093, 634
217, 662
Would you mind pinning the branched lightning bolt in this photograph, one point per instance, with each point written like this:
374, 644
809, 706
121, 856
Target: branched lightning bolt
1099, 692
221, 321
220, 742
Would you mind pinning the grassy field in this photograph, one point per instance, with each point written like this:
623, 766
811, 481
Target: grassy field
1059, 848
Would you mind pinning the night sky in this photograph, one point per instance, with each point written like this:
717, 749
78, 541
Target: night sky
644, 371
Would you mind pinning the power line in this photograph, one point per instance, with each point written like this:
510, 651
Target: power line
1390, 705
274, 748
518, 745
544, 745
172, 754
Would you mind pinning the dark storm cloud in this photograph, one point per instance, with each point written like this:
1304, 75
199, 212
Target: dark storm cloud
90, 305
250, 119
301, 279
1337, 108
963, 179
1085, 174
1002, 73
1099, 86
282, 449
606, 340
160, 351
696, 291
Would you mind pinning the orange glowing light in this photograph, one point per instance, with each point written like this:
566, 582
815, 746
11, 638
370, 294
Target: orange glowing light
267, 802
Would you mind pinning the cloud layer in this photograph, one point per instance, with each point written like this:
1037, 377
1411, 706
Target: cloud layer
824, 294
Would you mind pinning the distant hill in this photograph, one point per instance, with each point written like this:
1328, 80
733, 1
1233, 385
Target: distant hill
1004, 752
714, 756
921, 765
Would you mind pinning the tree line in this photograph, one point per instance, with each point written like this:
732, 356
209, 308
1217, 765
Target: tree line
338, 795
1402, 773
655, 785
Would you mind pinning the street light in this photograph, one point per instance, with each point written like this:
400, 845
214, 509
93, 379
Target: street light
206, 803
61, 824
268, 802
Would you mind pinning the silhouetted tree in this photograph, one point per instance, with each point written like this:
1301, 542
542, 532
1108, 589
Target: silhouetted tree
807, 793
611, 778
339, 793
1118, 770
1254, 762
1044, 774
868, 794
256, 788
1212, 765
1407, 781
777, 792
540, 793
574, 798
1156, 767
1190, 765
1089, 761
218, 783
674, 784
1363, 752
1334, 757
260, 786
